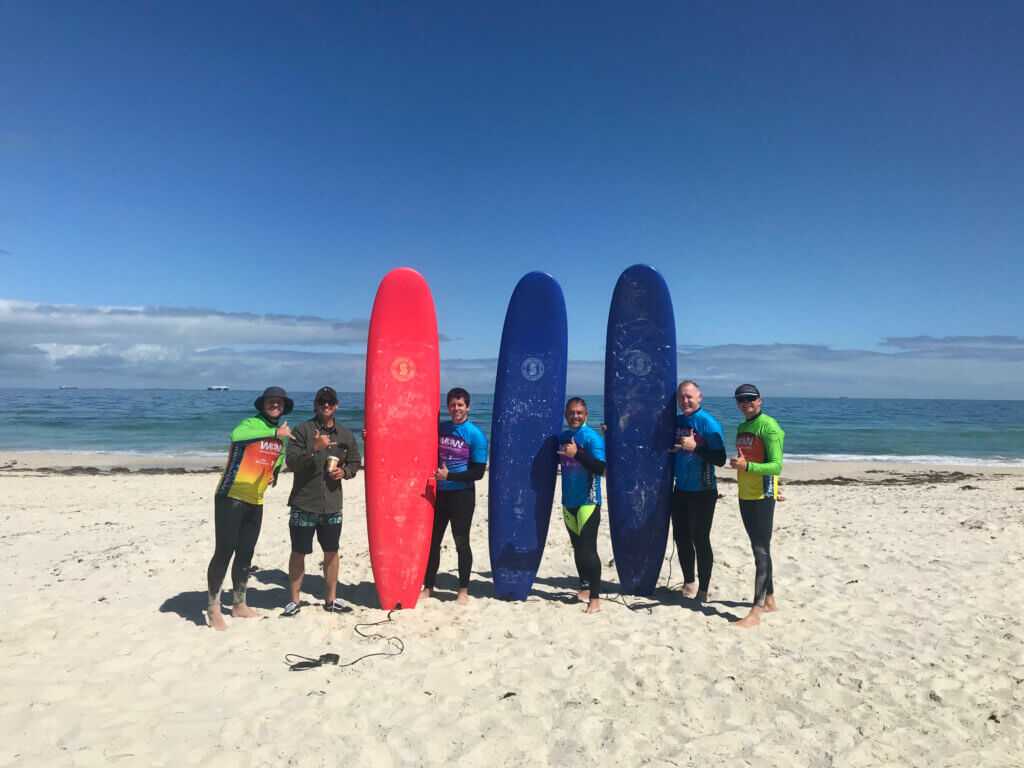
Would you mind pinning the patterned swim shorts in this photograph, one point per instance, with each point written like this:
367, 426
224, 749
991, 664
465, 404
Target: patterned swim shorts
302, 518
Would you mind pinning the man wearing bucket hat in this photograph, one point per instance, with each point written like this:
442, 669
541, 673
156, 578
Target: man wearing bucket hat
758, 462
254, 460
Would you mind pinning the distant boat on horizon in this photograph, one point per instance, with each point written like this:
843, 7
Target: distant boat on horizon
217, 388
67, 386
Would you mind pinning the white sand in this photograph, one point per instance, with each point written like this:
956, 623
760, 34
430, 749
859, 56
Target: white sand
898, 641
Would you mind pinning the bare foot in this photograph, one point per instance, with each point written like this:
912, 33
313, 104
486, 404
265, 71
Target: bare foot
243, 611
583, 595
769, 604
426, 593
463, 598
216, 618
752, 619
702, 595
690, 589
593, 606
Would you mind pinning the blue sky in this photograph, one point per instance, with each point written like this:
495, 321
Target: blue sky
832, 193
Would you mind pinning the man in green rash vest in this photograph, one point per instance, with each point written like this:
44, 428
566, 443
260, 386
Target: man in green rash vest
758, 462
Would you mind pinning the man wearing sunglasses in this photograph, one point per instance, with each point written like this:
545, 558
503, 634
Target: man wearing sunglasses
321, 453
758, 462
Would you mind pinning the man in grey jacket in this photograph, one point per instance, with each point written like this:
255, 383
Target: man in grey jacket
321, 453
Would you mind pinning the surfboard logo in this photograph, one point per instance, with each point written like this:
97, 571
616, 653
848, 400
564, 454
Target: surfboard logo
403, 369
638, 363
532, 368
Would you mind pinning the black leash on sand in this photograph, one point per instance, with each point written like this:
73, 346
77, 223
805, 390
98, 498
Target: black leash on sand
621, 598
395, 644
671, 558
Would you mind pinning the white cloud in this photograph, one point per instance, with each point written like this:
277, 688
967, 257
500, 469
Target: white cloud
48, 345
31, 323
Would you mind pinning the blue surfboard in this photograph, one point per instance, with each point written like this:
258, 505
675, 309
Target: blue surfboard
529, 399
639, 411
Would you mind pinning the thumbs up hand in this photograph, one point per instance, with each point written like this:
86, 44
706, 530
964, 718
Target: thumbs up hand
738, 461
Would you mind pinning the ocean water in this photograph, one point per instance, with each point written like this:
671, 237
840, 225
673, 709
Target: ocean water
171, 422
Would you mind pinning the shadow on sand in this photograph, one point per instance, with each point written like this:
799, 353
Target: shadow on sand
191, 606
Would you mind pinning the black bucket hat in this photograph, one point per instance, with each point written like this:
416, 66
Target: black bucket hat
275, 392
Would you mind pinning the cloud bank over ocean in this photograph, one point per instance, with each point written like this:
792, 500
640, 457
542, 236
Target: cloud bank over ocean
45, 345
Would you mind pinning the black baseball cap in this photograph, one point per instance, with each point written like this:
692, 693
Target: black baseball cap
274, 392
747, 390
325, 393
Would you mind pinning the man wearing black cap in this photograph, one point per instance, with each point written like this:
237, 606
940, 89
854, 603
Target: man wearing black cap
254, 460
321, 453
758, 462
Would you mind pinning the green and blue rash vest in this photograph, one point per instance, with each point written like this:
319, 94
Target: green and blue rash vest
759, 441
693, 471
457, 448
580, 486
254, 459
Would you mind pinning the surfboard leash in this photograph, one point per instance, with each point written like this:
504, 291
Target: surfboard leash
671, 559
621, 599
395, 644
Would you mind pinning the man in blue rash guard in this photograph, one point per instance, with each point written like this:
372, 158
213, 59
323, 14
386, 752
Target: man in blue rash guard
461, 460
700, 447
582, 459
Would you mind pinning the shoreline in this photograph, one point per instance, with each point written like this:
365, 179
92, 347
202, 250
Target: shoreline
794, 473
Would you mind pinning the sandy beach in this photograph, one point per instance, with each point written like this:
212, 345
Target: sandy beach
898, 641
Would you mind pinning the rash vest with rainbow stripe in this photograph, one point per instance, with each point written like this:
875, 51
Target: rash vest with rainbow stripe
254, 459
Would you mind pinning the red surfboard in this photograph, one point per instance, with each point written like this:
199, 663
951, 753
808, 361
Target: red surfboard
403, 395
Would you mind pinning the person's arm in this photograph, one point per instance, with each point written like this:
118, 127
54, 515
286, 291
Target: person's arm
591, 453
300, 454
773, 454
474, 472
714, 450
279, 462
592, 465
714, 456
352, 458
253, 428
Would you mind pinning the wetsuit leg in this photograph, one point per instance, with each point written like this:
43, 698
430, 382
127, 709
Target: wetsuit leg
758, 516
681, 532
236, 529
248, 534
702, 514
584, 548
442, 512
461, 513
